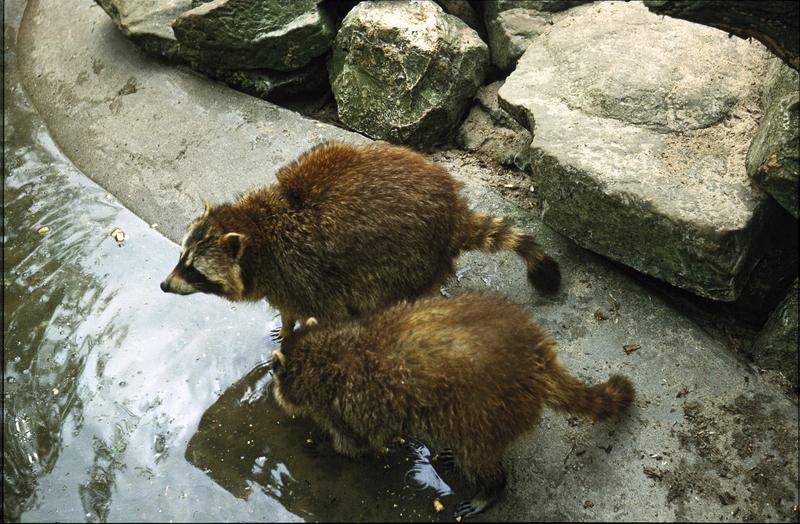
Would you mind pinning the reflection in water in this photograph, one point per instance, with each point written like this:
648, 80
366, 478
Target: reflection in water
106, 378
96, 492
245, 442
47, 293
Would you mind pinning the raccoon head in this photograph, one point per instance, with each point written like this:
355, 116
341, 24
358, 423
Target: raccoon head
209, 261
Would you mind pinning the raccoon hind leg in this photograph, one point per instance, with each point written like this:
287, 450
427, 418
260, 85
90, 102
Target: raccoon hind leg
491, 483
350, 447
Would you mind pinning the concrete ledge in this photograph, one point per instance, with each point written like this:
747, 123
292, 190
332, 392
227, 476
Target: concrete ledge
160, 139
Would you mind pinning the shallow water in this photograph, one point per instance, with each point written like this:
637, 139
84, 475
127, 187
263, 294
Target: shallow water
122, 403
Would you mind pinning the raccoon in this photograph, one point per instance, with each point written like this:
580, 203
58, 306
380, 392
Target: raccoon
469, 374
346, 230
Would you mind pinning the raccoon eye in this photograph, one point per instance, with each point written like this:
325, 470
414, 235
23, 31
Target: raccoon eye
193, 276
201, 282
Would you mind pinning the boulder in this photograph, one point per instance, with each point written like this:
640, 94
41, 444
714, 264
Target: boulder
405, 71
512, 25
464, 10
773, 159
275, 86
774, 23
776, 346
241, 34
639, 150
490, 130
147, 23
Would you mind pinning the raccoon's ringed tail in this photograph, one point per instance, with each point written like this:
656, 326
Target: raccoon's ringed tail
490, 234
599, 401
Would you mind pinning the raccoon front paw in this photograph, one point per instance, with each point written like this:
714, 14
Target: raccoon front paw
471, 507
445, 457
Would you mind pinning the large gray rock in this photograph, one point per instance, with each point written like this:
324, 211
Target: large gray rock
549, 6
639, 150
464, 11
405, 71
512, 25
490, 130
147, 22
276, 86
242, 34
773, 159
772, 22
777, 345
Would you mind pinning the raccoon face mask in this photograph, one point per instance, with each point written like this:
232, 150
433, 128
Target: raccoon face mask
209, 261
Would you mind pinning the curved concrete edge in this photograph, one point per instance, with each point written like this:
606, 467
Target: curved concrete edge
184, 137
159, 138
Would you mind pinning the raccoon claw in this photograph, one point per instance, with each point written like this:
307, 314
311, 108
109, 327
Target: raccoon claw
276, 334
469, 508
445, 457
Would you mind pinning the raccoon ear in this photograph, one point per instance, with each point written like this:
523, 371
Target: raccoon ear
310, 322
206, 208
234, 244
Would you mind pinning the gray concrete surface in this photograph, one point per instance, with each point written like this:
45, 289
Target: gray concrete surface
708, 439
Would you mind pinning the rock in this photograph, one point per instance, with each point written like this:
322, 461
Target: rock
241, 34
780, 82
490, 130
510, 32
147, 22
549, 6
512, 25
775, 271
776, 345
773, 160
466, 13
642, 159
405, 71
773, 23
276, 86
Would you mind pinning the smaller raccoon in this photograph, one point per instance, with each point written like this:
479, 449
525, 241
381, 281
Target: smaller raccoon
468, 374
345, 231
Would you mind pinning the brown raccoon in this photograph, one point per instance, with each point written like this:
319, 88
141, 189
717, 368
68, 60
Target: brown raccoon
346, 230
469, 374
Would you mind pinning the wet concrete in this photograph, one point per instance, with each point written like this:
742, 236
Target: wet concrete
160, 410
122, 403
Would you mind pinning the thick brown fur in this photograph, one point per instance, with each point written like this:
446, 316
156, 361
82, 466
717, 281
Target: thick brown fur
470, 373
346, 230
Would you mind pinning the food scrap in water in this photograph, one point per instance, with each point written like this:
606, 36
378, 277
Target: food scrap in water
43, 230
119, 235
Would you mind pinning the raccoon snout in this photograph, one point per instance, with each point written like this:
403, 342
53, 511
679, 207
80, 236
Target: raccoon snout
165, 287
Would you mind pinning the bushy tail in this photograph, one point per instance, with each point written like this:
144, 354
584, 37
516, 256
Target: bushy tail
489, 233
598, 402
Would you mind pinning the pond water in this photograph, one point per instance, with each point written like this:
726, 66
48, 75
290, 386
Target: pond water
122, 403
